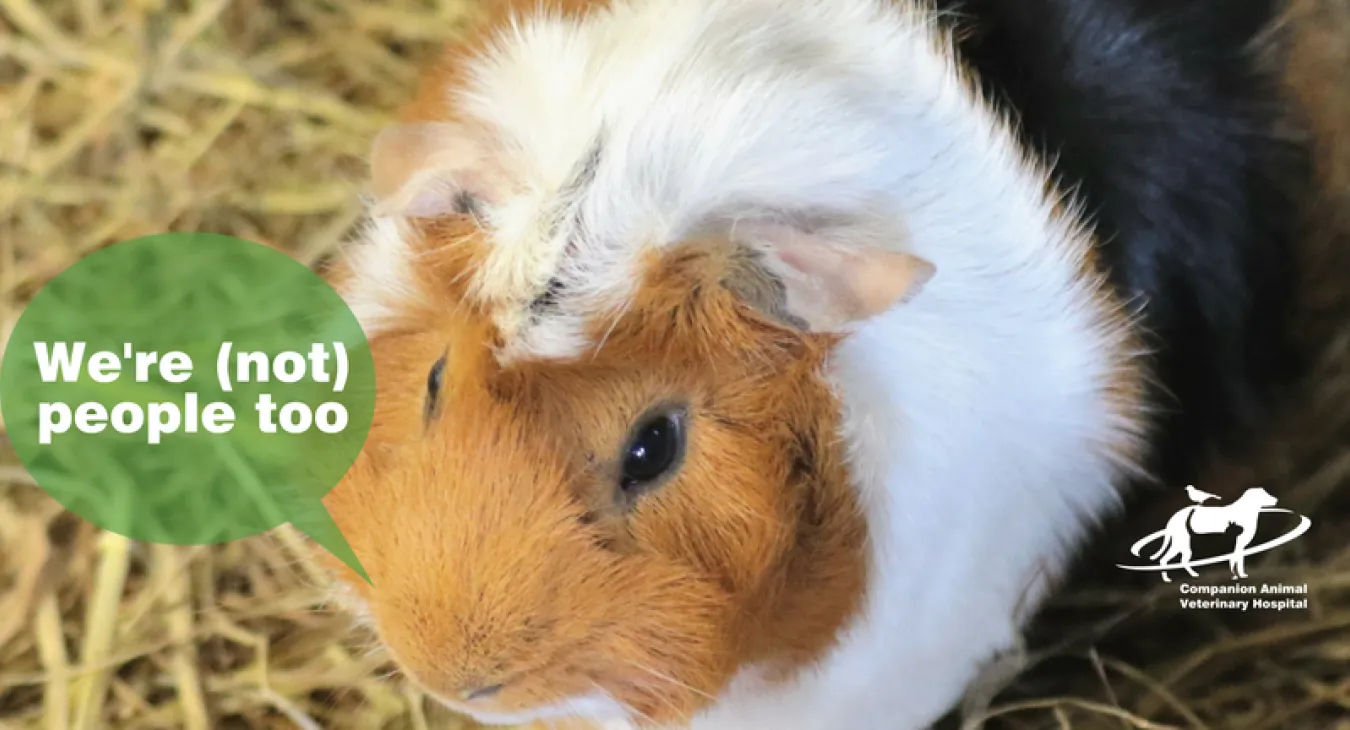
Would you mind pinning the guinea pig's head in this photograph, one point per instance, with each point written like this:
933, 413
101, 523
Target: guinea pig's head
605, 474
616, 532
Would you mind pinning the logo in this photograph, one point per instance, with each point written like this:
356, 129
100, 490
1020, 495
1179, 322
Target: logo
1175, 551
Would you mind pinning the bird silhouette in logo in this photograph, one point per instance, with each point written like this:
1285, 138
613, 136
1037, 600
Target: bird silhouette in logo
1198, 496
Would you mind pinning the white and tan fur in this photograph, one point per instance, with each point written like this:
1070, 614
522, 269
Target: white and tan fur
984, 422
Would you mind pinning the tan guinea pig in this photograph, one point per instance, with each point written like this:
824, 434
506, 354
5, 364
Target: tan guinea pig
741, 366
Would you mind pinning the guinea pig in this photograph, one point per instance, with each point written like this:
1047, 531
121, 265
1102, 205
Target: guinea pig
763, 363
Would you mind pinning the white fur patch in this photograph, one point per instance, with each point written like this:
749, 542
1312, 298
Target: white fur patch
383, 282
982, 436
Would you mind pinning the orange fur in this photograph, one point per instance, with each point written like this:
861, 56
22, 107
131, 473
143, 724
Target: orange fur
495, 535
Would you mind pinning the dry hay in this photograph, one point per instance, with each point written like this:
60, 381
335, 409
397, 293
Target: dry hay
250, 118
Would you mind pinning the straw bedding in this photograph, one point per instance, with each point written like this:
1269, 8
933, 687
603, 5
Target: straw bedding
251, 118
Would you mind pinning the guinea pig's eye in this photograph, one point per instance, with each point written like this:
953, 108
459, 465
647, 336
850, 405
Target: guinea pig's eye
655, 449
434, 379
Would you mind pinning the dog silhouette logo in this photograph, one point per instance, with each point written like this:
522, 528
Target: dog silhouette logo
1244, 513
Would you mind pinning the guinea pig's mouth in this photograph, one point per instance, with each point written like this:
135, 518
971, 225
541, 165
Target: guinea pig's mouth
597, 706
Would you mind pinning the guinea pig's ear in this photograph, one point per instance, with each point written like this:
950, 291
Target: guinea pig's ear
427, 170
832, 279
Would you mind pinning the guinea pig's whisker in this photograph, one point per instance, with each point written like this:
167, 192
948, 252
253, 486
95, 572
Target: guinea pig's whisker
373, 649
667, 702
635, 711
746, 512
666, 678
627, 707
612, 326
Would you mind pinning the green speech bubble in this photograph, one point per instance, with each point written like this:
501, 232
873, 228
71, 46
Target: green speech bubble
211, 461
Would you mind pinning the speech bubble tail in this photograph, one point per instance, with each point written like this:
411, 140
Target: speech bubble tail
318, 524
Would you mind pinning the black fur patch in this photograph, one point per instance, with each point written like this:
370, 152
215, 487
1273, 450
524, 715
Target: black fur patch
467, 204
547, 301
585, 174
1155, 113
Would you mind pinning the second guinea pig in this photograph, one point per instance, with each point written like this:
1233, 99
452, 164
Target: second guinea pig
756, 364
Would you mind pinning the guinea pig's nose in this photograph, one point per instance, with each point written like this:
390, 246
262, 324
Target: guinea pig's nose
480, 693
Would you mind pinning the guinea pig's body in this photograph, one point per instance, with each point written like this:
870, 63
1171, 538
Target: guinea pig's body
744, 365
1163, 117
